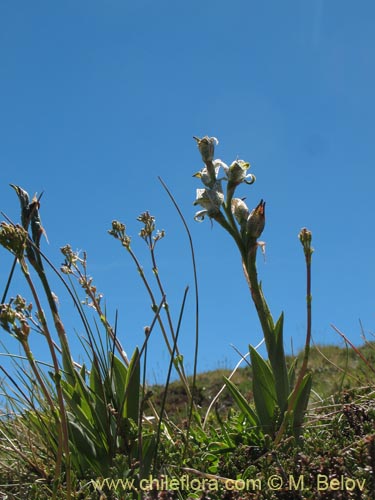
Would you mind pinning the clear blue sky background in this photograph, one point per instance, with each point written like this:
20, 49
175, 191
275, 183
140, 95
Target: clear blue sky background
98, 98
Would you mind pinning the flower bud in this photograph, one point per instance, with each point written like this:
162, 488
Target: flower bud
13, 238
240, 211
36, 224
256, 220
206, 146
305, 237
149, 224
23, 196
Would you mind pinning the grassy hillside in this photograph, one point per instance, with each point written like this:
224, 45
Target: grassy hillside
335, 370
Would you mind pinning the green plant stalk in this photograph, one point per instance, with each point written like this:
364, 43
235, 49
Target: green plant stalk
66, 356
250, 270
34, 367
228, 227
251, 274
167, 385
175, 349
303, 370
105, 322
308, 311
9, 280
196, 349
232, 225
142, 402
160, 321
248, 249
63, 429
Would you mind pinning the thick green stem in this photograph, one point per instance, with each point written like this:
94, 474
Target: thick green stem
260, 303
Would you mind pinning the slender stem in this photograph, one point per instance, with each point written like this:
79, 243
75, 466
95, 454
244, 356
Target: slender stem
308, 313
160, 321
303, 370
83, 279
9, 280
232, 223
166, 307
167, 385
63, 430
35, 369
196, 349
233, 232
39, 268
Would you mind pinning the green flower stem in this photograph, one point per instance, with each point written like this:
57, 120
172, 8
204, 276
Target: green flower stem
249, 266
250, 270
63, 428
308, 253
84, 282
60, 329
233, 229
251, 274
160, 322
35, 369
166, 307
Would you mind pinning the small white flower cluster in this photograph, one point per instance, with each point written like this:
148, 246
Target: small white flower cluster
211, 197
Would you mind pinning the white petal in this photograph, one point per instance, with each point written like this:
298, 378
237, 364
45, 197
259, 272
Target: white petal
199, 216
218, 163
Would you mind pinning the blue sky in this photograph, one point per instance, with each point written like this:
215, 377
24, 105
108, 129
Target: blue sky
99, 98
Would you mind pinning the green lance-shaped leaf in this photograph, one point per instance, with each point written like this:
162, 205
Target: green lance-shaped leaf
77, 405
99, 399
301, 402
116, 389
148, 451
292, 373
278, 363
267, 313
82, 438
131, 407
264, 391
88, 406
242, 403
